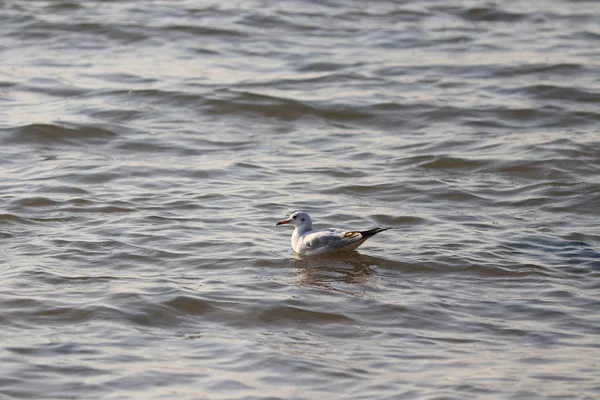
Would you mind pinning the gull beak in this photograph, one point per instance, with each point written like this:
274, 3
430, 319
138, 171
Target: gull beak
284, 222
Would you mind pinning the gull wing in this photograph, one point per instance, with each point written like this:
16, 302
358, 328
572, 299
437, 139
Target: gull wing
332, 239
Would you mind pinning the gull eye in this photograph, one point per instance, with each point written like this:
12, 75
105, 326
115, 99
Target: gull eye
303, 220
295, 216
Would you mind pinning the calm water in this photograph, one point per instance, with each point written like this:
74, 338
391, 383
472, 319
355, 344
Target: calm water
148, 148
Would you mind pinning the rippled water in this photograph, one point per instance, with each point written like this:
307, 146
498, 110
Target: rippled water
148, 148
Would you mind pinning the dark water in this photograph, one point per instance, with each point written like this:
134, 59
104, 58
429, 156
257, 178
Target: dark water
148, 148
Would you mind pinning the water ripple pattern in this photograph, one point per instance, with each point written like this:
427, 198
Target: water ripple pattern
148, 148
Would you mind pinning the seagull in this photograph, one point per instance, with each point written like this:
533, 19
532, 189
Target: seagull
308, 242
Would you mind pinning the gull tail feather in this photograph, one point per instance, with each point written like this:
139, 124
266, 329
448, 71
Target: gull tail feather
371, 232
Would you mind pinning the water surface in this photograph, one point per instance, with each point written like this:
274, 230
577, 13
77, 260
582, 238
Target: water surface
148, 148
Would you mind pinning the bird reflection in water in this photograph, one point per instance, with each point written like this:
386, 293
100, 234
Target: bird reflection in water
336, 271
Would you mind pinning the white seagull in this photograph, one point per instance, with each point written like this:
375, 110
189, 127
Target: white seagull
307, 242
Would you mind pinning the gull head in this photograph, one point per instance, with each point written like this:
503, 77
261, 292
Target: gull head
298, 219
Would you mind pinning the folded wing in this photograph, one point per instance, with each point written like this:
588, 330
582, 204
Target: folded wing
337, 239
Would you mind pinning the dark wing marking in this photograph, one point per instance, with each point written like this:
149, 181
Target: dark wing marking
371, 232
